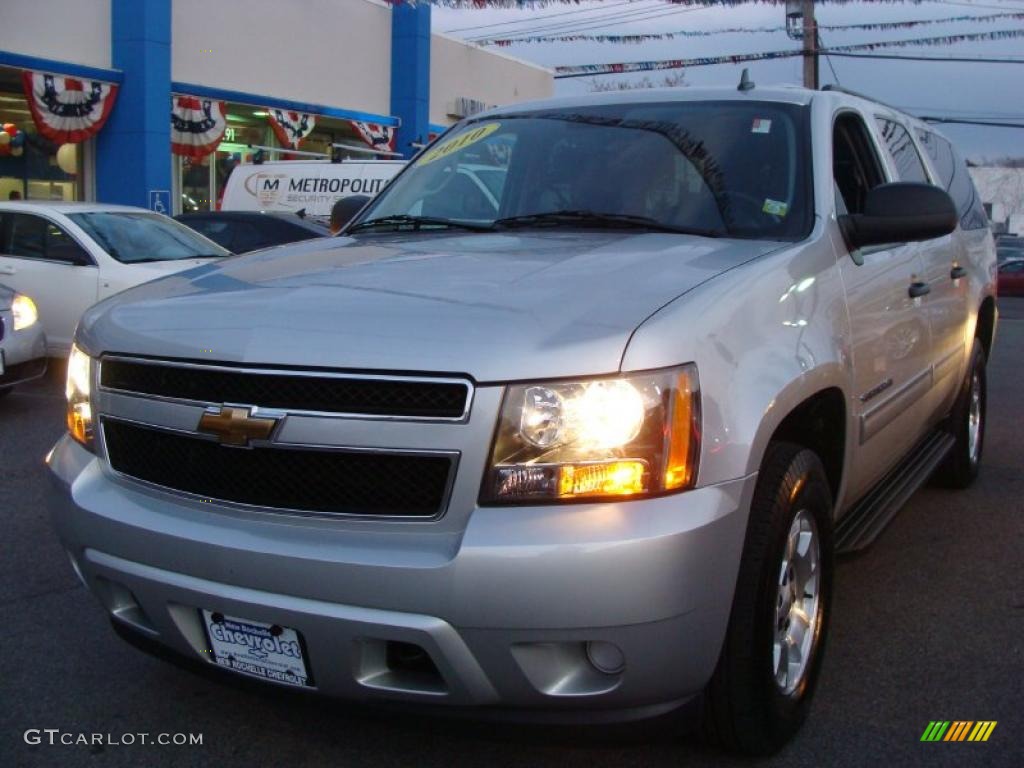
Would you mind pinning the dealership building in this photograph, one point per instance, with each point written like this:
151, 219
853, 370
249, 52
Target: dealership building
153, 102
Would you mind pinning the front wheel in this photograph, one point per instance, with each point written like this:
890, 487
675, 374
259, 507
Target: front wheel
761, 689
967, 423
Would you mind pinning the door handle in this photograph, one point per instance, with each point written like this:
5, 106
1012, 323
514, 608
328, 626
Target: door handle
919, 289
7, 270
957, 272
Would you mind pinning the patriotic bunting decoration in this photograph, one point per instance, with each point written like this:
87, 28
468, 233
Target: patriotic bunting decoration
67, 109
197, 125
641, 37
290, 128
530, 4
379, 137
648, 66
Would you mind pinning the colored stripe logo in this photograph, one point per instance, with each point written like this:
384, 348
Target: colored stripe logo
958, 730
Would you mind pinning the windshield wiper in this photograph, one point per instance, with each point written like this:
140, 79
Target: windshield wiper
416, 222
595, 218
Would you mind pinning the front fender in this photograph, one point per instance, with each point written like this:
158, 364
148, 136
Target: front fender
765, 336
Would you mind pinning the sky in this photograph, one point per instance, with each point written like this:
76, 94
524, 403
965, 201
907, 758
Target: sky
934, 88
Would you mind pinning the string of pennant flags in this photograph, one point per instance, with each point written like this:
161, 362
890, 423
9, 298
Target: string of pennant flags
531, 4
579, 70
686, 33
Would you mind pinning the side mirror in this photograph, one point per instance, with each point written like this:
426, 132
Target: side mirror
902, 212
345, 209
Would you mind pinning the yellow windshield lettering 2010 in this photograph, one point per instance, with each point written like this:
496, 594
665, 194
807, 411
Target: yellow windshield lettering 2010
461, 141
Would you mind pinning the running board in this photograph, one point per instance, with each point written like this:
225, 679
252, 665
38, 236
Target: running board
859, 527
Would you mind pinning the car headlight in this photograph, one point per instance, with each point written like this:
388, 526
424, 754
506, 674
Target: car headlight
24, 311
621, 436
79, 382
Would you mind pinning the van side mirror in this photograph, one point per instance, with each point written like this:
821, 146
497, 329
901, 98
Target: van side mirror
345, 209
902, 212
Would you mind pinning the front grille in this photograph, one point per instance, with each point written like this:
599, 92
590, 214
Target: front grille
287, 390
312, 480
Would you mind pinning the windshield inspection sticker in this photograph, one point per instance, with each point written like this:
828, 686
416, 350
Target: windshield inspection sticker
461, 141
775, 208
761, 125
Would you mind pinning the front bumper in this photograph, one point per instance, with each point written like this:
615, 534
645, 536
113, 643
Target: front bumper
505, 608
24, 352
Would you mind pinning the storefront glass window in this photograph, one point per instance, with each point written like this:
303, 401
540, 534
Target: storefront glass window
201, 182
38, 169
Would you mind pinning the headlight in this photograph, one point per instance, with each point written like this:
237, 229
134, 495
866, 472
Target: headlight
630, 435
24, 311
79, 414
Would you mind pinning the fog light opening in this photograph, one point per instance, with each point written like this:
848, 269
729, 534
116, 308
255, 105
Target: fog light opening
606, 657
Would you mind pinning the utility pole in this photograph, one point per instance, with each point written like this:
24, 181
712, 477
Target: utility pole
810, 38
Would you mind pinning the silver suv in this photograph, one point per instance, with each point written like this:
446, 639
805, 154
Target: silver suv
585, 444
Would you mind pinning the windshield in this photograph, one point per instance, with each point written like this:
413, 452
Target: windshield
132, 238
735, 169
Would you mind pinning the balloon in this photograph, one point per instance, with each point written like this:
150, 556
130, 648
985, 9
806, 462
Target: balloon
67, 158
16, 151
11, 129
18, 140
5, 138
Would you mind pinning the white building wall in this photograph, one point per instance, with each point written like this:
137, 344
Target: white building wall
77, 31
1003, 188
458, 69
329, 52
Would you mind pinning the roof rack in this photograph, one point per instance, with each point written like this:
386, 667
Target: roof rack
848, 92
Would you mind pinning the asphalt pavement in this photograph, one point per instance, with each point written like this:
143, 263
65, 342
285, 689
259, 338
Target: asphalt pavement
928, 625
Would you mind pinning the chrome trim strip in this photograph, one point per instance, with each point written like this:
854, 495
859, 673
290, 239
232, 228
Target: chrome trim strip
452, 456
875, 420
948, 364
462, 418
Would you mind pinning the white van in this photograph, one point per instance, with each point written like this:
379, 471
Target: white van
310, 185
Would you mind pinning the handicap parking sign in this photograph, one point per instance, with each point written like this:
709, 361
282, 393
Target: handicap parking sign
160, 201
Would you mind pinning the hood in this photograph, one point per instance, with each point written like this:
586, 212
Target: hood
494, 306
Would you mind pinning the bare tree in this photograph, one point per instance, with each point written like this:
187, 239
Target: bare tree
669, 80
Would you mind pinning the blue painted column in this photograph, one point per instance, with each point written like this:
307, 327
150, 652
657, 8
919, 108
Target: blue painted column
410, 74
133, 151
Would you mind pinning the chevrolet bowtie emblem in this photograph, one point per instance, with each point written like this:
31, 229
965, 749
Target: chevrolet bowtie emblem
236, 426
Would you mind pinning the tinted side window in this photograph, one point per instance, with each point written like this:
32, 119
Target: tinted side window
248, 237
60, 246
26, 236
954, 178
220, 232
901, 147
855, 165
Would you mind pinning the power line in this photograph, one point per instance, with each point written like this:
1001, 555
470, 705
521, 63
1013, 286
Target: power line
954, 59
958, 121
601, 18
821, 46
567, 36
642, 14
581, 70
602, 7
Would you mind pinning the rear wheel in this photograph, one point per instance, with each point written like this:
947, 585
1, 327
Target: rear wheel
967, 423
762, 687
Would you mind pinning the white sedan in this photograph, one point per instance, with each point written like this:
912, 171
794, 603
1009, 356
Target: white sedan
68, 256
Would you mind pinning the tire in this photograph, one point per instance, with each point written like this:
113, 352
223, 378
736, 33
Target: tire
5, 391
960, 468
745, 708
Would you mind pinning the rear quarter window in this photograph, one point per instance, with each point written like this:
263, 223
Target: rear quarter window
954, 178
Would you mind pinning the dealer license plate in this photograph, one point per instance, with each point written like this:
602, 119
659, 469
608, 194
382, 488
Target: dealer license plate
263, 650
